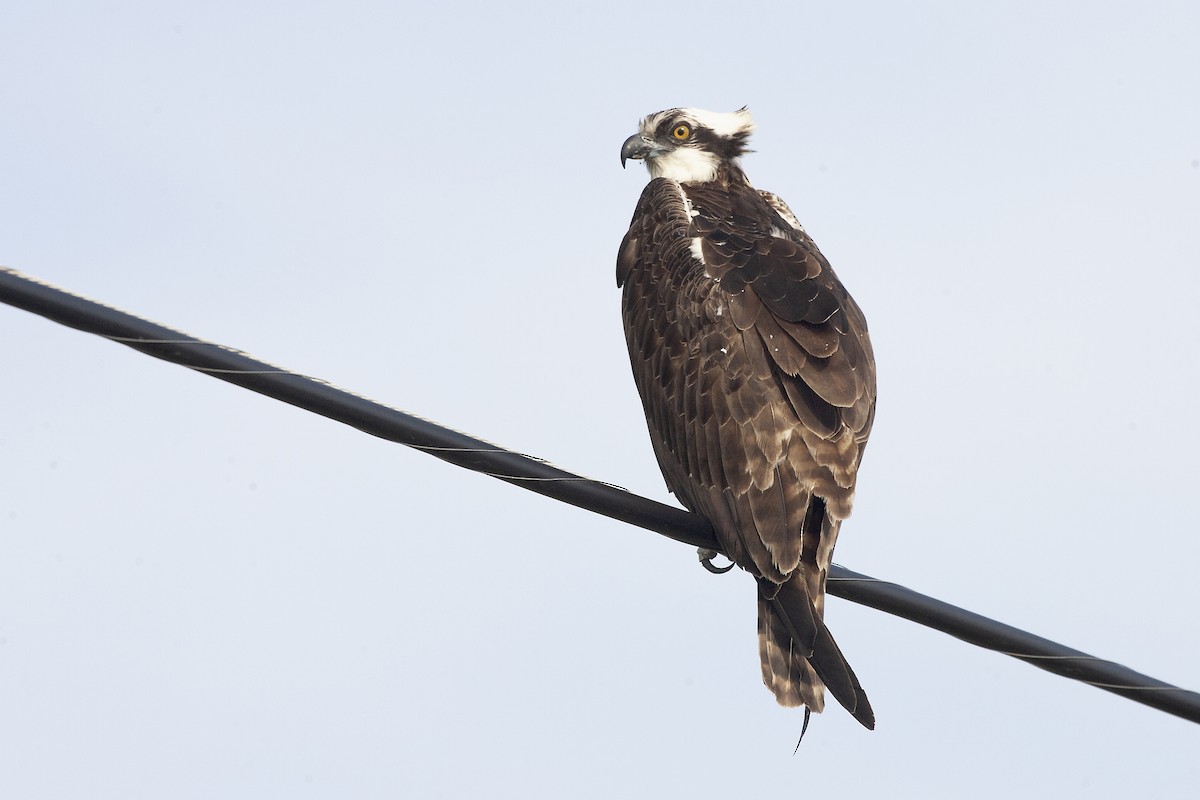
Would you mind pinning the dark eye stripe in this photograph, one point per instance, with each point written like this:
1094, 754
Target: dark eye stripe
667, 127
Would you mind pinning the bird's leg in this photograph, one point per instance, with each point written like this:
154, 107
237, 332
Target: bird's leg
707, 554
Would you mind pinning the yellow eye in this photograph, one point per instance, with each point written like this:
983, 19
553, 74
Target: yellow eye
681, 132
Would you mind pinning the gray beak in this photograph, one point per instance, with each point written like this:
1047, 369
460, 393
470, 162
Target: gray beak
637, 147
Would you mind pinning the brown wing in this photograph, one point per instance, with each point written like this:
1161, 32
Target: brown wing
757, 379
754, 366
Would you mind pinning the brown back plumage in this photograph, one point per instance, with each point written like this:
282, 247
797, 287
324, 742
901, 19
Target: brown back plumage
758, 382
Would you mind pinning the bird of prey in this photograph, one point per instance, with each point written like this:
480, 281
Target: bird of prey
757, 378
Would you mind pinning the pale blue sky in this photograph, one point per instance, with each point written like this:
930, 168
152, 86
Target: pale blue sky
205, 593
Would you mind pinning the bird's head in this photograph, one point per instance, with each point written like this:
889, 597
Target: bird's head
689, 144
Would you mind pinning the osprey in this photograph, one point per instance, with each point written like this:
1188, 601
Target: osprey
757, 379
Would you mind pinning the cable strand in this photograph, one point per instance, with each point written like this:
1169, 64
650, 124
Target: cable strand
539, 475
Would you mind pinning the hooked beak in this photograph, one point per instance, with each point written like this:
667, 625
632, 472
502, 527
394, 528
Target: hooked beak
637, 147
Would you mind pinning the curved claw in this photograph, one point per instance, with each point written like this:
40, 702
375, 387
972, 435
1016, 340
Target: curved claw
706, 557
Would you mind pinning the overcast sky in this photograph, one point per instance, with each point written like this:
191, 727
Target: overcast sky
207, 593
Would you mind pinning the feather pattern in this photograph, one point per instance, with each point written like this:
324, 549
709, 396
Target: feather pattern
758, 382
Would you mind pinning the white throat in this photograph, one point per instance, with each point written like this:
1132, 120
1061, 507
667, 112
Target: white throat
684, 164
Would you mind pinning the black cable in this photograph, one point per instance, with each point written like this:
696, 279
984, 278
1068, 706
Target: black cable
539, 476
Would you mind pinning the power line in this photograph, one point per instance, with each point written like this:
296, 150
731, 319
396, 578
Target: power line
540, 476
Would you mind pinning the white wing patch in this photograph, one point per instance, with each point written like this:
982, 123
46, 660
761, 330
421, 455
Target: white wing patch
781, 208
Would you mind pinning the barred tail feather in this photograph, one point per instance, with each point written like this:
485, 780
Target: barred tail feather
799, 656
785, 667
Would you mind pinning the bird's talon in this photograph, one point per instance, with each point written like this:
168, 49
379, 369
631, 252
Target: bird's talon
707, 555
